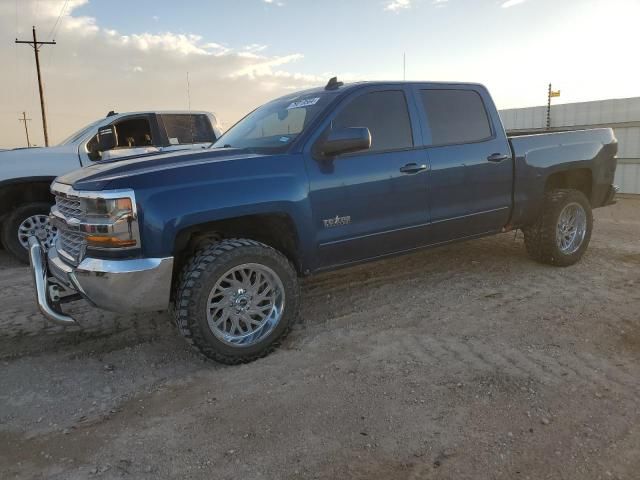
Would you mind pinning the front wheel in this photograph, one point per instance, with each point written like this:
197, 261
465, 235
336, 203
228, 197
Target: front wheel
562, 232
24, 221
236, 300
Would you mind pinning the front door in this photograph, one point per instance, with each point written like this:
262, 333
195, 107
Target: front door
136, 135
374, 202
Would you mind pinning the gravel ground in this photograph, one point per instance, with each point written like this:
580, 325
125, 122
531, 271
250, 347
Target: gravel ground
464, 362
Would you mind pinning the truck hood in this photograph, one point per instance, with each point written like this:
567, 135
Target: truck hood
101, 175
36, 153
38, 162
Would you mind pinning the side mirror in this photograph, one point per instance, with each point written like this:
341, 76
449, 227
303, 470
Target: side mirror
344, 140
107, 138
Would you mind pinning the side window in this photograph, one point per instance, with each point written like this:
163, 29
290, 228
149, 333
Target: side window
455, 116
386, 116
134, 132
183, 129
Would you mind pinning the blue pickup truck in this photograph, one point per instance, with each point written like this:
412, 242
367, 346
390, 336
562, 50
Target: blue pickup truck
309, 182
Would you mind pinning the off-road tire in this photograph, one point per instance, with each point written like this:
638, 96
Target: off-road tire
198, 277
11, 223
540, 237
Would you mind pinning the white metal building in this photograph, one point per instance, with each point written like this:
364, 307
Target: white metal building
623, 115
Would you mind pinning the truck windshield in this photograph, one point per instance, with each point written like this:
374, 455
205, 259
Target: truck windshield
80, 133
272, 127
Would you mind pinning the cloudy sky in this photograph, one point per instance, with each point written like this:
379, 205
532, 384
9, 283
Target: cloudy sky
129, 55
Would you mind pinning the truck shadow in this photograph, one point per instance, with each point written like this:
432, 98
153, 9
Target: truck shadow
336, 294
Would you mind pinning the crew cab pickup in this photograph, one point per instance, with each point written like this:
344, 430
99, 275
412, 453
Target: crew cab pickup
309, 182
27, 173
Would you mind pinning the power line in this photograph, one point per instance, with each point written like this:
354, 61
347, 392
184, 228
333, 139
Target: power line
36, 48
62, 10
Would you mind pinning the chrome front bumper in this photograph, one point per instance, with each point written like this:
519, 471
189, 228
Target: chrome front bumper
137, 285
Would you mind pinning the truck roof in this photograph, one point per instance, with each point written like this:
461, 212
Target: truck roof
341, 88
161, 112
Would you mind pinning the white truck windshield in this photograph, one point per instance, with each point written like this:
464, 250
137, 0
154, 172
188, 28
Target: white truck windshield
80, 133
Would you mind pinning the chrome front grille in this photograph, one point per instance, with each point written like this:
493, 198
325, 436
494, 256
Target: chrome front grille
70, 243
69, 207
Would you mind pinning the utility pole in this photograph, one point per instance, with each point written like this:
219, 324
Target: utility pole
36, 48
550, 95
26, 128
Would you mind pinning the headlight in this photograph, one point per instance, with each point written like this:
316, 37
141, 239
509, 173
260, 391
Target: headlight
110, 222
109, 207
101, 223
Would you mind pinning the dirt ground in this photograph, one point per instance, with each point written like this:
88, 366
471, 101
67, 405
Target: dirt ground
465, 362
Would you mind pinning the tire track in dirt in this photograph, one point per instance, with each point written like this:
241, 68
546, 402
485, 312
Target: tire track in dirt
475, 356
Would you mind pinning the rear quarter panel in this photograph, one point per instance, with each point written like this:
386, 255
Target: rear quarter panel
537, 157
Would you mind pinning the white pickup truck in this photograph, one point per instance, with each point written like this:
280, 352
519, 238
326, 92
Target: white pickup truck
26, 173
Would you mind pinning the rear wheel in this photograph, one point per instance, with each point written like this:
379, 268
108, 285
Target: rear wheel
562, 232
24, 221
236, 300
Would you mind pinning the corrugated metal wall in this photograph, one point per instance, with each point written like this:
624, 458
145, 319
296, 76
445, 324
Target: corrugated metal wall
623, 115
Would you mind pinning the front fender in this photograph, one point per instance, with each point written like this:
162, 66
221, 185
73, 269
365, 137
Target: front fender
271, 188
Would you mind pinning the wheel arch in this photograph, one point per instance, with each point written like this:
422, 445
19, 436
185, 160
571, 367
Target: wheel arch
276, 230
580, 179
16, 192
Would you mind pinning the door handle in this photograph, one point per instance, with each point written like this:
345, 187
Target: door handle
413, 168
497, 157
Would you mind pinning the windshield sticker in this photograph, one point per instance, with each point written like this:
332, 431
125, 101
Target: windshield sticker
304, 103
284, 139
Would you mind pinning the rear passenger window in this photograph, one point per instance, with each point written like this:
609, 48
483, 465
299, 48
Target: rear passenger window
455, 116
386, 116
184, 129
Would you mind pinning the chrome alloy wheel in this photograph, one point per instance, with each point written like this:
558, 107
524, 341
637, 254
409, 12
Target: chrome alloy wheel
40, 227
245, 305
571, 228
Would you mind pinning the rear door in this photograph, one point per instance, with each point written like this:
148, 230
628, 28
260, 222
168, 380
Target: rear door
186, 130
374, 202
471, 177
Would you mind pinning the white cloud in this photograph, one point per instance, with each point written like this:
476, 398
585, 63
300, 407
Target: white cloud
274, 2
261, 67
512, 3
397, 5
255, 48
137, 71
